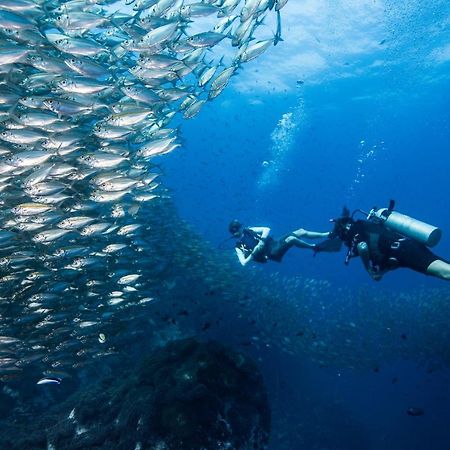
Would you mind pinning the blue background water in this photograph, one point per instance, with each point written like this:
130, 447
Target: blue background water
374, 125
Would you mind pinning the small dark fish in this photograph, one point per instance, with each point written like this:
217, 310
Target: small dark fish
415, 412
277, 37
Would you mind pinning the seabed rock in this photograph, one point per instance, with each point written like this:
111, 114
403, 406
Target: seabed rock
188, 395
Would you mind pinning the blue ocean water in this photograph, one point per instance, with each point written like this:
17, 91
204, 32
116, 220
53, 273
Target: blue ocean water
287, 147
163, 344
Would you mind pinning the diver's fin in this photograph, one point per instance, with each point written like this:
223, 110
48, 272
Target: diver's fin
329, 245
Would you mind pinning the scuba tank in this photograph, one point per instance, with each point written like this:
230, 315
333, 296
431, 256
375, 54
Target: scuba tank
406, 226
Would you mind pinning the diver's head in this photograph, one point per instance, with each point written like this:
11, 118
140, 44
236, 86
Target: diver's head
235, 227
343, 225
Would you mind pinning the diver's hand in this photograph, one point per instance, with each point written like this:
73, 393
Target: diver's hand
375, 274
259, 246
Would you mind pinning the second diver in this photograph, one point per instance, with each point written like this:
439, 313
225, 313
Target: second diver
255, 244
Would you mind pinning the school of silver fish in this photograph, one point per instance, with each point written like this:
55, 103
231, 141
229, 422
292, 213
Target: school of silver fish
88, 92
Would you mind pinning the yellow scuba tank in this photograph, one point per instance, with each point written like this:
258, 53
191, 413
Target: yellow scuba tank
407, 226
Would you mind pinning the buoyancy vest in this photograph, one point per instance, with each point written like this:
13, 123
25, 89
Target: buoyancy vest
247, 243
379, 239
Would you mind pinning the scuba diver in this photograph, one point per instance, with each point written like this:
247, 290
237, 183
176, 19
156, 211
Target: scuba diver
255, 244
387, 240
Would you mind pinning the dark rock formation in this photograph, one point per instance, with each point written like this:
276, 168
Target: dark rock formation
188, 395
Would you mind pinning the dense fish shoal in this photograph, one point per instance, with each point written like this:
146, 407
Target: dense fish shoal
90, 94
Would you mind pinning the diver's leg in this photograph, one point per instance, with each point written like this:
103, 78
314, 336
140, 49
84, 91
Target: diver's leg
295, 241
439, 269
301, 232
278, 249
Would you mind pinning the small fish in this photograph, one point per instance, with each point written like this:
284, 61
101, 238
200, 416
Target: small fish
22, 136
127, 119
254, 50
45, 188
31, 209
73, 223
102, 160
27, 159
206, 39
80, 85
49, 380
198, 10
159, 35
94, 229
194, 109
128, 279
206, 76
220, 82
113, 248
12, 54
141, 94
415, 412
88, 68
155, 147
11, 20
44, 237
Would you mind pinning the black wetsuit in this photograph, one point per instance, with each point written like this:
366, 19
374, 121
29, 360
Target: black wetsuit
387, 249
274, 249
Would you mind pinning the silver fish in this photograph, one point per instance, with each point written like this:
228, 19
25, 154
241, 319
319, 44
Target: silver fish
102, 160
44, 237
87, 68
130, 118
253, 50
205, 39
81, 85
49, 380
22, 136
73, 223
219, 83
45, 188
31, 209
12, 54
9, 19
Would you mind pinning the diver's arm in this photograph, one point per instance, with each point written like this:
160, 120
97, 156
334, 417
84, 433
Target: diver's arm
364, 254
242, 259
263, 231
